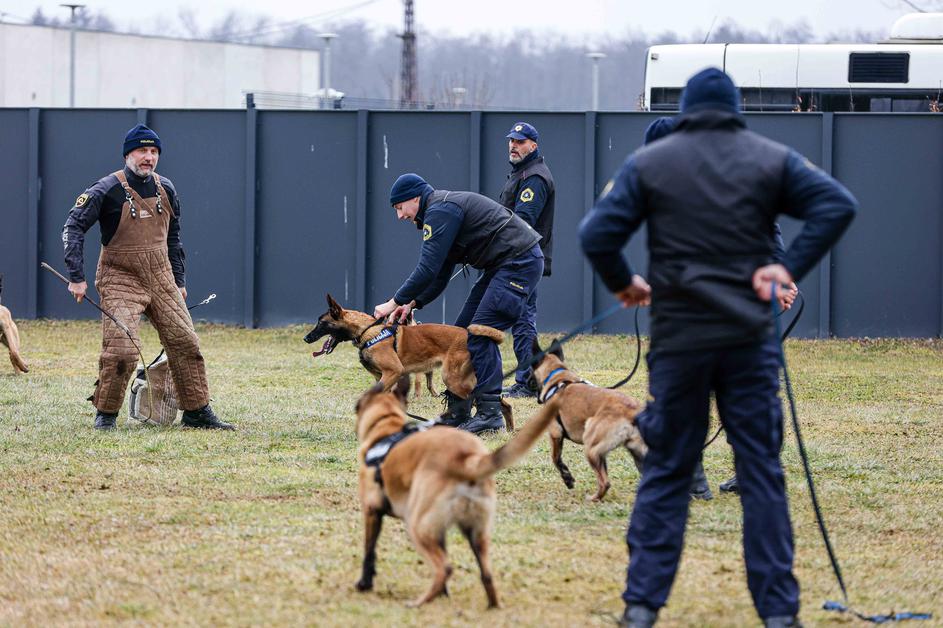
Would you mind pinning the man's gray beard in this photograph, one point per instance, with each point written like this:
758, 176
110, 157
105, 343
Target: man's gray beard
515, 160
138, 171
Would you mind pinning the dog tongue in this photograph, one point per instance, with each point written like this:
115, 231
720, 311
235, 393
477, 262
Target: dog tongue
325, 348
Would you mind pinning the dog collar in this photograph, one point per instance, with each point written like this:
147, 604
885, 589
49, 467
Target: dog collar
552, 373
383, 335
382, 448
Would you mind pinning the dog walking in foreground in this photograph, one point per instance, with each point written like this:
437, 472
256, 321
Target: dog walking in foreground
431, 478
10, 336
389, 352
600, 419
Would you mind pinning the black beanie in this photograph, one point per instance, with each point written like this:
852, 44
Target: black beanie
140, 136
710, 89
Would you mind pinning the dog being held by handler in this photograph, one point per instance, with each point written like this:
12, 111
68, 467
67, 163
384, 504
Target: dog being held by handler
389, 352
598, 418
10, 337
431, 478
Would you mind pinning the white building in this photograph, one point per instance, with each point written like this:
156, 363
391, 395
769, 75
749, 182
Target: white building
121, 70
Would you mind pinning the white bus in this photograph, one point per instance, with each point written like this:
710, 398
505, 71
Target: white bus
902, 73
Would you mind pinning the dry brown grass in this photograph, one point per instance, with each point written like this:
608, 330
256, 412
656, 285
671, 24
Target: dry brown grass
261, 526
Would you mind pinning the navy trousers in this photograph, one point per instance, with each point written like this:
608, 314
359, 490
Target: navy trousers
745, 382
497, 300
524, 332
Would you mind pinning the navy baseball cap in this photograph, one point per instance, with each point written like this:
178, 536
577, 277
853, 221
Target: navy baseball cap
522, 131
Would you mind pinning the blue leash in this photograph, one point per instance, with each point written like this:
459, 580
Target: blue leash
829, 605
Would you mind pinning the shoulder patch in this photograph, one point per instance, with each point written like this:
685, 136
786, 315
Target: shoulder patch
426, 232
527, 195
81, 200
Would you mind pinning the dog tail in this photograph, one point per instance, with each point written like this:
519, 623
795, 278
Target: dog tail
482, 466
9, 337
18, 362
489, 332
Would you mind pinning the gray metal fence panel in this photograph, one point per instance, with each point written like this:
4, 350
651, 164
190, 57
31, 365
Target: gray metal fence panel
887, 266
306, 213
436, 147
77, 148
204, 155
14, 190
561, 141
803, 133
280, 207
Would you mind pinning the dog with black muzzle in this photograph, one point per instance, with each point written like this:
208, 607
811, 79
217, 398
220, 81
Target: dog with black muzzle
600, 419
389, 352
10, 337
431, 478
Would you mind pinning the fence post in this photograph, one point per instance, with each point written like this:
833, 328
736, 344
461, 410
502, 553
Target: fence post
142, 116
251, 187
589, 196
825, 266
32, 218
474, 173
360, 211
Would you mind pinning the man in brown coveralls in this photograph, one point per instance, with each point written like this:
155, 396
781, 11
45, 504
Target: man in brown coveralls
140, 271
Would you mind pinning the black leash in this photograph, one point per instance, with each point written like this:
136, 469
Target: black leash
559, 342
829, 605
638, 356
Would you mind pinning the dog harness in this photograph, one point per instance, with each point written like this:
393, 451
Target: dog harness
382, 448
553, 390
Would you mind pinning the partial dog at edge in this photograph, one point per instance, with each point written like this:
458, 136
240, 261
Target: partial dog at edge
407, 349
10, 336
600, 419
431, 480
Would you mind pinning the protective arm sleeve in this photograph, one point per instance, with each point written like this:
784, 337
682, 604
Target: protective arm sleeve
438, 233
824, 204
618, 213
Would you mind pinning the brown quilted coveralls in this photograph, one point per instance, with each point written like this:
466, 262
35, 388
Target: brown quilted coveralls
134, 277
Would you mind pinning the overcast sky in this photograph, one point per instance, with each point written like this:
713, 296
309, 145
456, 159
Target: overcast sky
582, 20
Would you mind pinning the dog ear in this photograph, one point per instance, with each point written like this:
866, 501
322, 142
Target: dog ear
401, 390
334, 307
556, 349
535, 347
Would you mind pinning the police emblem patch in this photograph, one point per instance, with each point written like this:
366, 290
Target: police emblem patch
81, 200
527, 195
519, 128
426, 232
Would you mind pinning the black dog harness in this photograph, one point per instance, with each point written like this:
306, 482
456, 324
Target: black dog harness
553, 390
385, 334
382, 448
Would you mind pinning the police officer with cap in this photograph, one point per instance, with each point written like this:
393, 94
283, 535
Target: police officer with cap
529, 193
140, 271
472, 230
710, 193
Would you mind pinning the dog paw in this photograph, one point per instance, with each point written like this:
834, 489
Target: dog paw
569, 483
363, 585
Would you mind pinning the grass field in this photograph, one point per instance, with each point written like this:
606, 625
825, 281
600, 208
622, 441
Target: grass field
262, 526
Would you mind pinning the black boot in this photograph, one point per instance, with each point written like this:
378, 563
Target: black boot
638, 616
105, 421
204, 418
457, 410
700, 489
488, 418
730, 486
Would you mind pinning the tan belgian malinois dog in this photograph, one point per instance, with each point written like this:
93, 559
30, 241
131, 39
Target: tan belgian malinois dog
432, 479
600, 419
389, 352
10, 337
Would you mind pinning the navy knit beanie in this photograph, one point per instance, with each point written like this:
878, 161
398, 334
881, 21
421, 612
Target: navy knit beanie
407, 186
710, 89
659, 129
140, 136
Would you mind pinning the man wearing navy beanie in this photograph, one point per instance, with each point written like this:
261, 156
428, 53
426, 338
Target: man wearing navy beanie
472, 230
710, 192
140, 271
